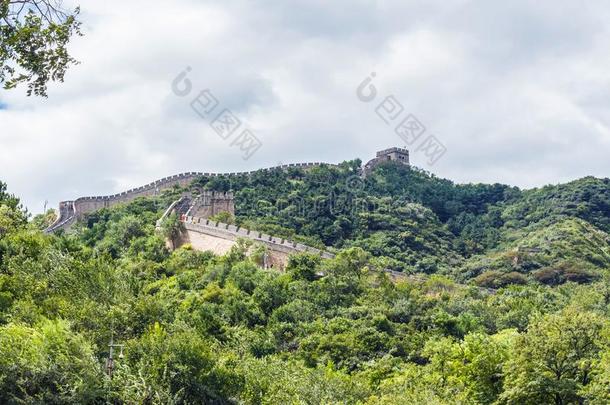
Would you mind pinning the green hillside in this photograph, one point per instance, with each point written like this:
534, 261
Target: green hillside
199, 328
414, 222
569, 244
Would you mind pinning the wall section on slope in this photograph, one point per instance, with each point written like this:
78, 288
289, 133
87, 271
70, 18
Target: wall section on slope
70, 211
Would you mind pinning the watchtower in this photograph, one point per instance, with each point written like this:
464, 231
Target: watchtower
398, 155
210, 203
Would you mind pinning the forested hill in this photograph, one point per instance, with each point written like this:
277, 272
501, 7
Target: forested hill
412, 221
199, 328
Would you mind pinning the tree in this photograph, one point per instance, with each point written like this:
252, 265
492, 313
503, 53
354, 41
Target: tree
223, 216
598, 392
10, 220
178, 367
34, 35
172, 228
553, 361
303, 266
465, 372
48, 363
43, 221
12, 215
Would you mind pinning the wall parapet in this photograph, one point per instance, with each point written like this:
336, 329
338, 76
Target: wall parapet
65, 217
233, 232
167, 212
83, 205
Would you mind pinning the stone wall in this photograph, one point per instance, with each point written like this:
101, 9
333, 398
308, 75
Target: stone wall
234, 232
398, 155
210, 203
70, 211
65, 218
204, 234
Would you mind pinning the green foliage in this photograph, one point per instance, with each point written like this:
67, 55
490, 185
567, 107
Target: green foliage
505, 300
571, 246
33, 43
12, 216
10, 220
172, 229
303, 266
470, 371
274, 381
566, 271
175, 367
47, 363
587, 199
224, 217
496, 279
43, 221
553, 361
418, 223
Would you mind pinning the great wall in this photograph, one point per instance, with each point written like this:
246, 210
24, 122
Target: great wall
71, 211
203, 234
199, 231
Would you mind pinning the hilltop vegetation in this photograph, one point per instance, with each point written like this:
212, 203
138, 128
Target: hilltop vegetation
412, 221
199, 328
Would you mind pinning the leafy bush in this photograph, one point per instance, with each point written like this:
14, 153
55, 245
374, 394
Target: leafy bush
564, 272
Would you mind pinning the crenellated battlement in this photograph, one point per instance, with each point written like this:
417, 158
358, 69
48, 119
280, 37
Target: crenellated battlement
392, 150
83, 205
233, 232
210, 203
398, 155
70, 211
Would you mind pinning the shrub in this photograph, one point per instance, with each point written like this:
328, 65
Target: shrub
561, 273
497, 279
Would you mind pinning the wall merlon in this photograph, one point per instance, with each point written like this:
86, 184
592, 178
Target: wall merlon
232, 233
84, 205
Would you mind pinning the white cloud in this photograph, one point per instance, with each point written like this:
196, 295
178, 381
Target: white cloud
518, 92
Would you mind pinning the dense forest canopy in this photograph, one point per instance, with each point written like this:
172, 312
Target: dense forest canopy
200, 328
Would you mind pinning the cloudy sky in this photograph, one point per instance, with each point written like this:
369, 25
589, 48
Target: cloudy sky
517, 92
